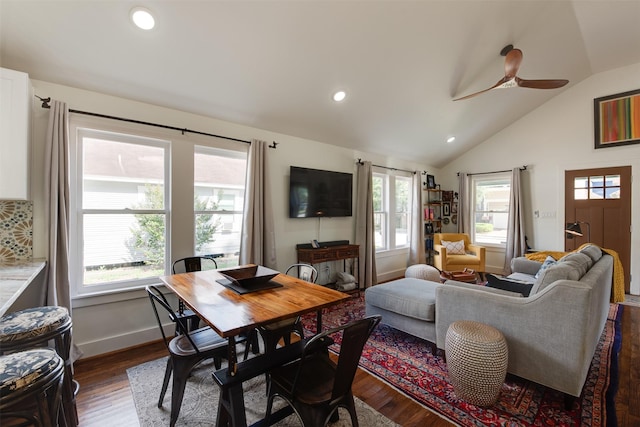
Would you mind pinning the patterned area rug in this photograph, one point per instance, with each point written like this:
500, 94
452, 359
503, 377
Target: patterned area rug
201, 400
406, 363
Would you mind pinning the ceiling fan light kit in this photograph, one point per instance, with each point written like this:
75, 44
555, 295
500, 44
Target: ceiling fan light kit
513, 59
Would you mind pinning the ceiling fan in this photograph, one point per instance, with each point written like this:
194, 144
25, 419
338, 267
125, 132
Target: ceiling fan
513, 58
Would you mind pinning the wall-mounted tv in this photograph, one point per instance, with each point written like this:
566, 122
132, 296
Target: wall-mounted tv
318, 193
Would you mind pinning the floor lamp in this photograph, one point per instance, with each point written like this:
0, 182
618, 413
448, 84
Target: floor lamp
574, 229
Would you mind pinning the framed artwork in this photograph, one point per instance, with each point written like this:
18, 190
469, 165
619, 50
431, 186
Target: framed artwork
617, 119
431, 182
446, 209
454, 219
447, 196
454, 208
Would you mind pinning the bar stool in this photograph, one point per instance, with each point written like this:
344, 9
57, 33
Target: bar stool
30, 385
35, 327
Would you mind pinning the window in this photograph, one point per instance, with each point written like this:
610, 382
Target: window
219, 177
120, 210
491, 194
596, 187
139, 196
391, 204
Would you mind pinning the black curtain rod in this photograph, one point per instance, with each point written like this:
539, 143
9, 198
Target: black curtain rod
360, 162
45, 104
523, 168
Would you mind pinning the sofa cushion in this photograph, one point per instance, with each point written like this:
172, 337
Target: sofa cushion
410, 297
454, 248
559, 271
580, 261
463, 260
592, 251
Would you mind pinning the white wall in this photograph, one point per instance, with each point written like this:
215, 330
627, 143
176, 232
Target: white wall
110, 322
546, 140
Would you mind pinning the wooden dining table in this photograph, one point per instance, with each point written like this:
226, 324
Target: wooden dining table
230, 313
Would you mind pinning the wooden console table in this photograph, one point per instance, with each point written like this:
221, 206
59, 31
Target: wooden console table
333, 253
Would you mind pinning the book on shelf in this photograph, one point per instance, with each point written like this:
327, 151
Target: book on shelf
428, 243
429, 213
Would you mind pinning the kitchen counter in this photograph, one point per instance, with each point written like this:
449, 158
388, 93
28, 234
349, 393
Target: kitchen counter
15, 278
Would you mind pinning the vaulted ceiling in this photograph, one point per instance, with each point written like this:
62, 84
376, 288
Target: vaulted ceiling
274, 65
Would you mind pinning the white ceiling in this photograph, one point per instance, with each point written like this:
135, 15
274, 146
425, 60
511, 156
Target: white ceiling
274, 65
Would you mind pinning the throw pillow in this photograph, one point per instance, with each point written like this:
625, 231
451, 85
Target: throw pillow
546, 264
454, 248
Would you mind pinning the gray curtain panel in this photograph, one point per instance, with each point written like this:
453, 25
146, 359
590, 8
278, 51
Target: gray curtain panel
516, 245
365, 226
464, 204
56, 187
416, 235
257, 245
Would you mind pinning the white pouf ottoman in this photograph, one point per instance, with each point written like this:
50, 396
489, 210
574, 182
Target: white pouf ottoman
477, 361
423, 271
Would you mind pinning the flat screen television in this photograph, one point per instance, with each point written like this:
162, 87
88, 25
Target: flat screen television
319, 193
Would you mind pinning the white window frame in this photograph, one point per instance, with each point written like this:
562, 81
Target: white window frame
389, 208
78, 130
220, 152
475, 181
179, 187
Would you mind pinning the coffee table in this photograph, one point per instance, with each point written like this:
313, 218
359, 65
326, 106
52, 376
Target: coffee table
466, 275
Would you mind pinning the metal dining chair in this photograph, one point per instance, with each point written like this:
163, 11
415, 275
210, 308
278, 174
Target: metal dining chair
282, 330
186, 350
189, 265
315, 386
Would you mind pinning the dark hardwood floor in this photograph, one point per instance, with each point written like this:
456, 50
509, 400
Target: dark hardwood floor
105, 397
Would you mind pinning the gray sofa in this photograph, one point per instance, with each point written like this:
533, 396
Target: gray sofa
551, 334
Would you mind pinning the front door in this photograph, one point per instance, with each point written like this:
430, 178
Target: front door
599, 200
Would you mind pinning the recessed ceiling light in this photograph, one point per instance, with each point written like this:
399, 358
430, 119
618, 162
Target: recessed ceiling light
142, 18
451, 139
339, 96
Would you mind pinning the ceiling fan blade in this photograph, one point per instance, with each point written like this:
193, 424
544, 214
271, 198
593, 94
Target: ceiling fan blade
512, 63
541, 84
500, 82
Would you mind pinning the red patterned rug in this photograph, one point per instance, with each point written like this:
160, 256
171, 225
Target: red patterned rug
406, 362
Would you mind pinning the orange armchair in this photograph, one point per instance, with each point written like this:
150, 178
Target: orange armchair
444, 260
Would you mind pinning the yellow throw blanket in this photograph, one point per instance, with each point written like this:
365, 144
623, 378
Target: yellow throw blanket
618, 272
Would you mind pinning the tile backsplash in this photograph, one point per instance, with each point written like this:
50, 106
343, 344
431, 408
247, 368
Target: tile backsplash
16, 230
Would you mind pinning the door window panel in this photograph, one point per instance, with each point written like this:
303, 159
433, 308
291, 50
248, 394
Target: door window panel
596, 187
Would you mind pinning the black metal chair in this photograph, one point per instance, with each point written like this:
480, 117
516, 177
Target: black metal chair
282, 330
186, 350
303, 271
315, 386
189, 265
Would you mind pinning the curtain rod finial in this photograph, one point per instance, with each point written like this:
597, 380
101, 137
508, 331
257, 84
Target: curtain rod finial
273, 145
45, 101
